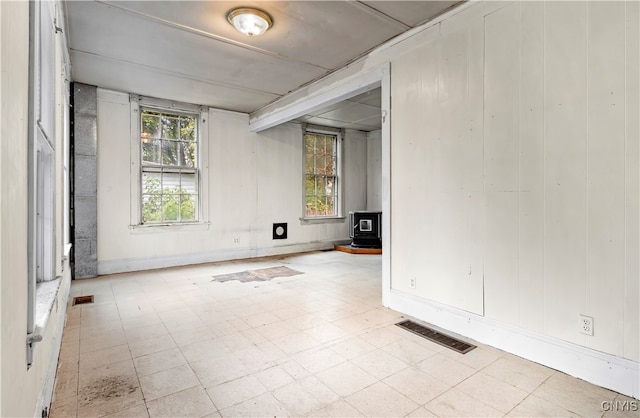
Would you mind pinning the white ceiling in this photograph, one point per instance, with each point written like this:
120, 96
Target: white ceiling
187, 51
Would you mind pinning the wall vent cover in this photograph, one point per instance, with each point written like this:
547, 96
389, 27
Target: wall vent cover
437, 337
79, 300
280, 231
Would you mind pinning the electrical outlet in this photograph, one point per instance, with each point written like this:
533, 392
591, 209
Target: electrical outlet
236, 240
412, 283
585, 325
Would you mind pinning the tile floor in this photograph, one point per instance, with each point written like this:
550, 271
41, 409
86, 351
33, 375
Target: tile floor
174, 343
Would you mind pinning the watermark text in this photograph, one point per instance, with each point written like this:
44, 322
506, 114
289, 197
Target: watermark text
619, 406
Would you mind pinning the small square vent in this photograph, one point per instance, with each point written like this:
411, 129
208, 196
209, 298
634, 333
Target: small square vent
280, 231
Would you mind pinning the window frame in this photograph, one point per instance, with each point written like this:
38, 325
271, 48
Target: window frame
47, 146
338, 134
139, 103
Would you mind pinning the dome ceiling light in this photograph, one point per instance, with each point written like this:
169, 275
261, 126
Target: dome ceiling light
251, 22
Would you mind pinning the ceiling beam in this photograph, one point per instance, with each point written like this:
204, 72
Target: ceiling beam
336, 93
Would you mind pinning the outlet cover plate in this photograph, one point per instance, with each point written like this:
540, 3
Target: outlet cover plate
585, 325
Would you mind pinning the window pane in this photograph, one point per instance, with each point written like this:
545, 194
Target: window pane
171, 207
170, 153
188, 207
330, 156
329, 206
188, 128
319, 164
321, 185
187, 154
317, 205
322, 205
310, 185
308, 164
150, 125
151, 183
170, 183
330, 182
329, 166
312, 206
151, 150
170, 127
152, 208
188, 183
329, 140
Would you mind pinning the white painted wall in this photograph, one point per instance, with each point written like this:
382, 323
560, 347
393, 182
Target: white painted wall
374, 171
25, 392
356, 164
515, 145
14, 50
255, 180
514, 179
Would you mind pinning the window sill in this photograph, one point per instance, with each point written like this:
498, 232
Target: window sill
156, 228
323, 220
46, 296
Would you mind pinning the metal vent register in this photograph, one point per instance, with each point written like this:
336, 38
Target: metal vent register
437, 337
79, 300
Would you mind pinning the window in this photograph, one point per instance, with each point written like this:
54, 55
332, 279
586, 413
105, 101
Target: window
321, 173
169, 144
43, 118
168, 165
42, 145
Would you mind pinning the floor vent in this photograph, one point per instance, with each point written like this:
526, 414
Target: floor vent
437, 337
80, 300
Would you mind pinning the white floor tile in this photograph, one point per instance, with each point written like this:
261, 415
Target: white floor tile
174, 342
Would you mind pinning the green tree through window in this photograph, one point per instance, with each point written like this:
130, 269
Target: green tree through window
321, 191
169, 166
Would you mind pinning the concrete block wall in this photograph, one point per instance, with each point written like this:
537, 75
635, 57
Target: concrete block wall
85, 190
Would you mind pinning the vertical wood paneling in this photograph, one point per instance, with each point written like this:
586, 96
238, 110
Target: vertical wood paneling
429, 129
476, 199
414, 121
232, 215
549, 167
605, 173
501, 145
374, 171
451, 169
113, 202
531, 203
431, 134
565, 168
632, 183
354, 170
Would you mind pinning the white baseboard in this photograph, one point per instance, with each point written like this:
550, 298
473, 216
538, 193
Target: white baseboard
602, 369
150, 263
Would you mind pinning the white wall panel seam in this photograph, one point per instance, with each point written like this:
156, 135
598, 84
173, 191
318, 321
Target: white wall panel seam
625, 277
544, 165
586, 308
484, 194
519, 305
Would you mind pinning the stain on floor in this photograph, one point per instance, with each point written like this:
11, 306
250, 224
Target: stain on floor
108, 388
259, 275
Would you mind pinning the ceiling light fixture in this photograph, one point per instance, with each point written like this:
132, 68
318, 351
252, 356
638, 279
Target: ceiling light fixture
251, 22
